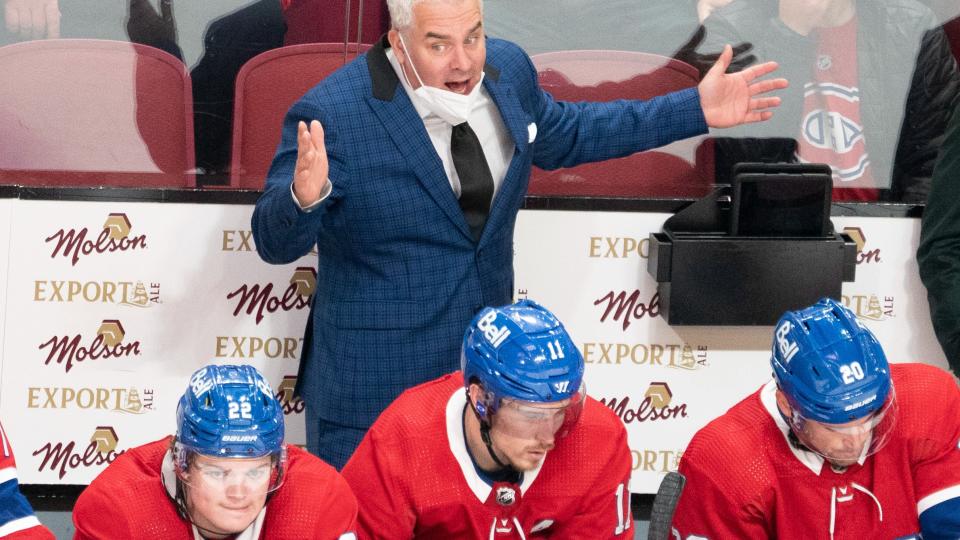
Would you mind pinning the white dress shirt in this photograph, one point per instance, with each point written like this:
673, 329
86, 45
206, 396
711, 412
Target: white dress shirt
485, 121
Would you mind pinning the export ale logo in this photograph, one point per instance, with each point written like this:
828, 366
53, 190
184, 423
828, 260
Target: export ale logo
120, 293
123, 400
114, 236
682, 356
871, 306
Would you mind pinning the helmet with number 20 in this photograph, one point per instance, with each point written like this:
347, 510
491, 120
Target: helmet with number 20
832, 370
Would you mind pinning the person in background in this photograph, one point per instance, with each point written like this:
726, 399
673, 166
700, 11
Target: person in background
938, 254
873, 84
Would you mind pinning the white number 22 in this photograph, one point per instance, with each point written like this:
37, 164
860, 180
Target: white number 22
239, 410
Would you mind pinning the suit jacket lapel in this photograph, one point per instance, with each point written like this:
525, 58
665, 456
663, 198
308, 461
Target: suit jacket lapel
405, 127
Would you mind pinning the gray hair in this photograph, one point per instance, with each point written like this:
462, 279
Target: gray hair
401, 11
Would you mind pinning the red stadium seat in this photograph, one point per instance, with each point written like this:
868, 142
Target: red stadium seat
77, 112
267, 86
608, 75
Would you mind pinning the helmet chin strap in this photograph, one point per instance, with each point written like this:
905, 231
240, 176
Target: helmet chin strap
506, 470
485, 435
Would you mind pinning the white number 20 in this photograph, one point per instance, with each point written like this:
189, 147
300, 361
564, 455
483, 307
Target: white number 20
851, 372
239, 410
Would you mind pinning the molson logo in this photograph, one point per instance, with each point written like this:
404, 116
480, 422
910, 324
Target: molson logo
108, 343
64, 457
870, 306
612, 247
124, 400
672, 355
257, 298
656, 405
863, 256
662, 461
625, 308
121, 293
290, 404
115, 236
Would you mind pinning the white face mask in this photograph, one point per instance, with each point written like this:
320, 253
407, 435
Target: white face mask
452, 107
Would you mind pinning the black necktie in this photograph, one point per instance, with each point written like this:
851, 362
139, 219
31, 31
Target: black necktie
476, 182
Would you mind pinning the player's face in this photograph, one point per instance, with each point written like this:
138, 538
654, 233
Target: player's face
226, 494
524, 432
841, 444
445, 43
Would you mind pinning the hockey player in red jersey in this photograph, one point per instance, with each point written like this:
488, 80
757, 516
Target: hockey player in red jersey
226, 474
838, 445
17, 520
508, 447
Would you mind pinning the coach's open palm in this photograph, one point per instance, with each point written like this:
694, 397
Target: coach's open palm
310, 173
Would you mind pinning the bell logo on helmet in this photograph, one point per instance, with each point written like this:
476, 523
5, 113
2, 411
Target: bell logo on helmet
561, 387
264, 387
787, 347
495, 335
200, 383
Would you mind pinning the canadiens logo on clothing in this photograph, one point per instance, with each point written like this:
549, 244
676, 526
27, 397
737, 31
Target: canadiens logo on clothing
831, 129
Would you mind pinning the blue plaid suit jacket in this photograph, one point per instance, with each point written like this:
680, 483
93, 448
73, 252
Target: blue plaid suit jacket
399, 275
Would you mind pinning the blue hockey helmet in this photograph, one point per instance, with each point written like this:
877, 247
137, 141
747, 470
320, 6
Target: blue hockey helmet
229, 411
521, 352
829, 365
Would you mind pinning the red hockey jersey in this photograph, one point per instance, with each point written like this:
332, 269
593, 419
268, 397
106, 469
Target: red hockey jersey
745, 480
129, 500
414, 477
17, 521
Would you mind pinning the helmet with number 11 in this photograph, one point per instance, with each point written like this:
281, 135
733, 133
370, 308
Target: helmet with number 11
524, 379
834, 386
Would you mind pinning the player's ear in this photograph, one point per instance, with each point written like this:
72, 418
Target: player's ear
475, 394
783, 404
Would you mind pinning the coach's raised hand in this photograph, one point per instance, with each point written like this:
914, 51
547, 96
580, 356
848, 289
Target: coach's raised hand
310, 175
